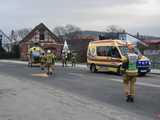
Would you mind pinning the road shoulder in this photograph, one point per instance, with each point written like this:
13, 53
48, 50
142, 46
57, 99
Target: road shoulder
30, 100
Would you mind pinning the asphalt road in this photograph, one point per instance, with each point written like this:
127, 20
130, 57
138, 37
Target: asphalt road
102, 87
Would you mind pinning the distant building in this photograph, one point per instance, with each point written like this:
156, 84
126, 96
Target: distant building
121, 36
5, 42
44, 37
153, 47
152, 42
79, 45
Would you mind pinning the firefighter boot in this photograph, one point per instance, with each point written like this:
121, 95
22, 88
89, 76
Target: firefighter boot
132, 99
128, 98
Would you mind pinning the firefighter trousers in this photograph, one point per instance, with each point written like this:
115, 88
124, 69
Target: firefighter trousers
50, 68
129, 85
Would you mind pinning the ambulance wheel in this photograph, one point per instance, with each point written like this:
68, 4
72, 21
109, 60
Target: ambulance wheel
93, 68
142, 74
120, 72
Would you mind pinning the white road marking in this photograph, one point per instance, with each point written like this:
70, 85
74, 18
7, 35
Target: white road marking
40, 75
14, 61
76, 74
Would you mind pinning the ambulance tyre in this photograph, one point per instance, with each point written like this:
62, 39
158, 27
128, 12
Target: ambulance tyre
142, 74
120, 72
31, 65
93, 68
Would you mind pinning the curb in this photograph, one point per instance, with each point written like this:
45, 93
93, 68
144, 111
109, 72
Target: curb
157, 73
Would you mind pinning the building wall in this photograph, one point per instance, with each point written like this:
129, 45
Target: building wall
127, 37
23, 50
47, 43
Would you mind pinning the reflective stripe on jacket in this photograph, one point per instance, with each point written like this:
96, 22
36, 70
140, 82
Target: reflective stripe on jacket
132, 64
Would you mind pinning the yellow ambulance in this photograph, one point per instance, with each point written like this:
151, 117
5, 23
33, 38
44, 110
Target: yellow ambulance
109, 55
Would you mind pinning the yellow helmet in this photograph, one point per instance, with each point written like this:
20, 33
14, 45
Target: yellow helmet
48, 51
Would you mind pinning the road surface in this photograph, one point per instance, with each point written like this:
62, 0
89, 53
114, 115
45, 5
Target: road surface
104, 88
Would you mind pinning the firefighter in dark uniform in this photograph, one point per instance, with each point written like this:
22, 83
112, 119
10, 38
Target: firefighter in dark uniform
130, 75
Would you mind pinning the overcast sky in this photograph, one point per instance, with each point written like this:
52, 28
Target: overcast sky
133, 15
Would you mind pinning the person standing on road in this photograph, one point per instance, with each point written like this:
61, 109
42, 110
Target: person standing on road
73, 59
63, 59
66, 58
50, 62
130, 75
43, 60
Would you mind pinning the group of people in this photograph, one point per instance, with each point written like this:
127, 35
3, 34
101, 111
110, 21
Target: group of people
47, 60
65, 59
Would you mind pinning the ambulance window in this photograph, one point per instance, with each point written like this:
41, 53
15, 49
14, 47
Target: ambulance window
102, 51
123, 49
113, 52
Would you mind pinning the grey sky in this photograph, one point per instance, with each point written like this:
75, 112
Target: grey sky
133, 15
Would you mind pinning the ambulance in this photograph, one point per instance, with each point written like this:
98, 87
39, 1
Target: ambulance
109, 55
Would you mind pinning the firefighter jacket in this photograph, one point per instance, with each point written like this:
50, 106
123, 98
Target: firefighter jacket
130, 65
50, 58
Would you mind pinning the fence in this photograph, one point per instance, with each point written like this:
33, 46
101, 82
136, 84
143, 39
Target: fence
155, 61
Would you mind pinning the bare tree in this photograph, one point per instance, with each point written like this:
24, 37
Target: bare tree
64, 30
59, 31
23, 32
115, 29
71, 28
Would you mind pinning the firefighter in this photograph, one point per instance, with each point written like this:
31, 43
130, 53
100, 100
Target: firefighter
29, 55
66, 58
50, 61
130, 75
43, 60
63, 59
73, 59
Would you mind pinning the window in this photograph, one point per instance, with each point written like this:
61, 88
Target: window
124, 50
113, 52
41, 35
102, 51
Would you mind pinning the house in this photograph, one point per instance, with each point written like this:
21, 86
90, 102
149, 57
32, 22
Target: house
122, 36
79, 46
153, 48
44, 37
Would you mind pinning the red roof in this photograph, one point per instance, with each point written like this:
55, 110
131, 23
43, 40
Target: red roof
152, 41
